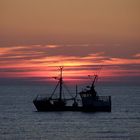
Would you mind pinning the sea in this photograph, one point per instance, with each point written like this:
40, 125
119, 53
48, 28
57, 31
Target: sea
19, 119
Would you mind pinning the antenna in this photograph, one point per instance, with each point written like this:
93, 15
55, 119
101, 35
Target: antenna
99, 70
95, 78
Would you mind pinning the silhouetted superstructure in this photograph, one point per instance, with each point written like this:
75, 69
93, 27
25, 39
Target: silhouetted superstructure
92, 102
89, 98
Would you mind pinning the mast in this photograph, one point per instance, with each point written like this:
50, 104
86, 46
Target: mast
61, 82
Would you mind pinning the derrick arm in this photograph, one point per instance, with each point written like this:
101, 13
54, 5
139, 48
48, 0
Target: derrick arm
92, 89
95, 79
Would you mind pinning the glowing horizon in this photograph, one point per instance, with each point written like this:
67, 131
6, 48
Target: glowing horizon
34, 61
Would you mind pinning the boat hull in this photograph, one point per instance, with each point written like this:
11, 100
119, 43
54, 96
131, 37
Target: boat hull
88, 106
42, 106
98, 103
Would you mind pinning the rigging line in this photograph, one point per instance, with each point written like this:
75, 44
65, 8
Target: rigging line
101, 66
67, 90
63, 95
54, 90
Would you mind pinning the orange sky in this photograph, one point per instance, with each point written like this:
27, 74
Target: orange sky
38, 36
68, 21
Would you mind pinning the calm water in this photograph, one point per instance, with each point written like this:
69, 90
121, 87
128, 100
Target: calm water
20, 121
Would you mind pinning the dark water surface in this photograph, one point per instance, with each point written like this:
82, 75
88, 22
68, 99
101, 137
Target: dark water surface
20, 121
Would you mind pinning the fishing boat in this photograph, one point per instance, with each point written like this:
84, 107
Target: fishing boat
89, 101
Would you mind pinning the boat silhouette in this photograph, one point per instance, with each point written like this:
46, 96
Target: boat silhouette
89, 100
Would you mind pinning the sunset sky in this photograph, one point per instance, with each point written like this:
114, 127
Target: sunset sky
37, 36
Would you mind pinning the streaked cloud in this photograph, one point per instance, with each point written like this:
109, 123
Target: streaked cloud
137, 55
53, 46
36, 61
